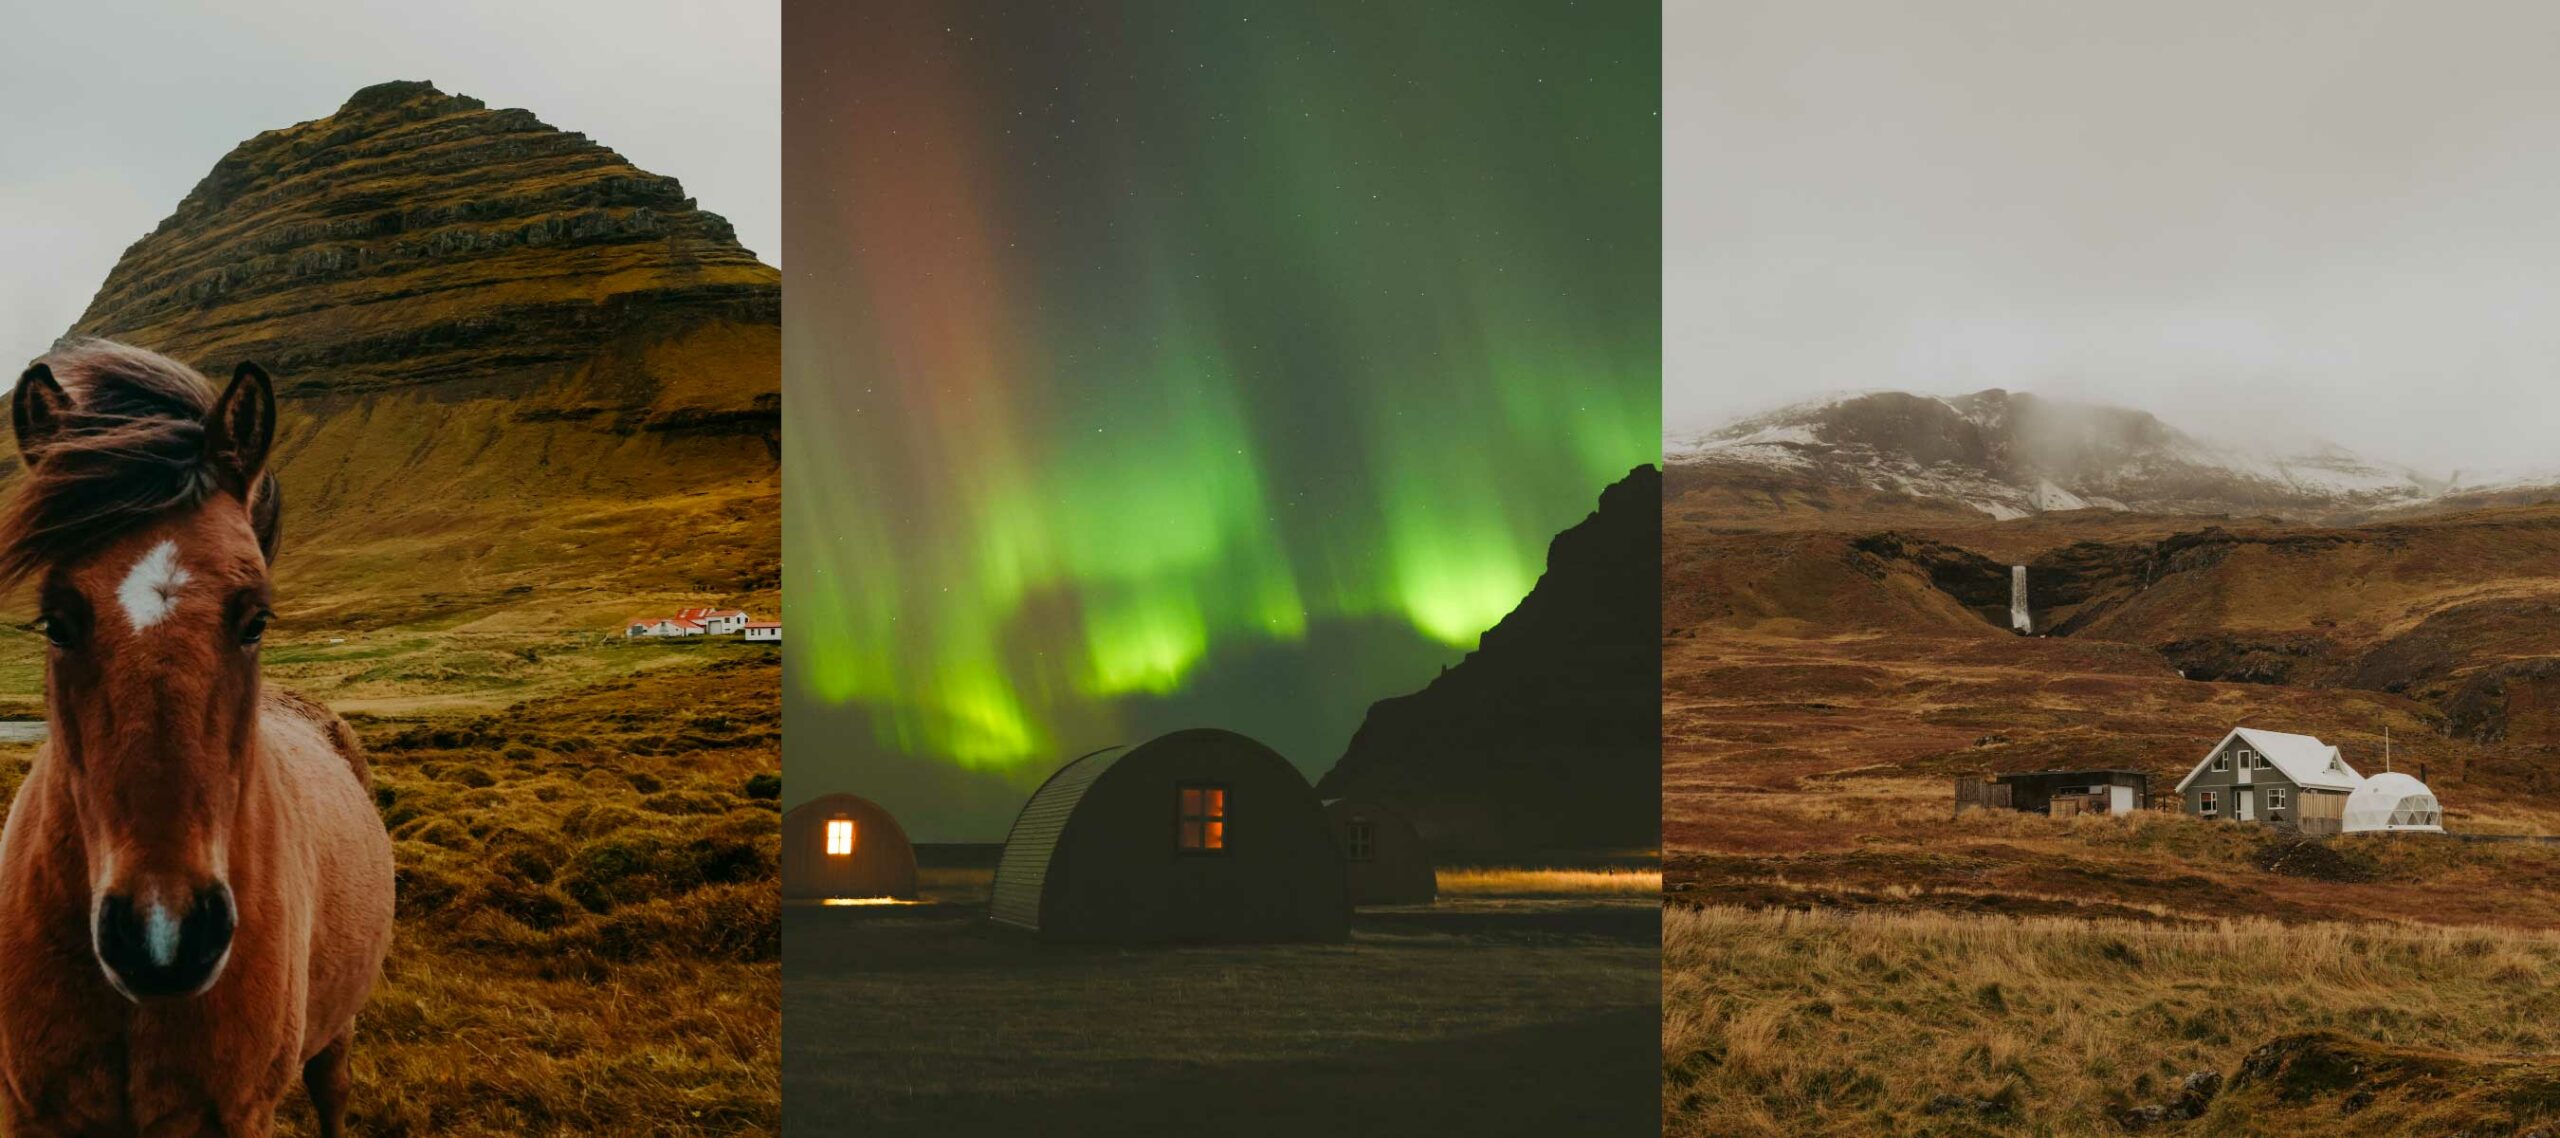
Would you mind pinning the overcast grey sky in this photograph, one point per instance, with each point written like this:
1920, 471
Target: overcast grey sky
111, 111
2338, 218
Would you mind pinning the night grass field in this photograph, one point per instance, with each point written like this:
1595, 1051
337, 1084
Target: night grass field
1490, 1013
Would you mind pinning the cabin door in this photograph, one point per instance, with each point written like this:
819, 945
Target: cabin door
2120, 800
2244, 804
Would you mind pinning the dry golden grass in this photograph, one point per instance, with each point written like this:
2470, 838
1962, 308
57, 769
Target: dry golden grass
1533, 882
590, 930
1800, 1024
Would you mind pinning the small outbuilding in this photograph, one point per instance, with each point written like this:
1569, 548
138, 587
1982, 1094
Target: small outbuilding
2060, 793
1201, 835
1384, 861
839, 846
2395, 802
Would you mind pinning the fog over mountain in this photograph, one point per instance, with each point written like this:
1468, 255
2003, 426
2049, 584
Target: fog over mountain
2293, 222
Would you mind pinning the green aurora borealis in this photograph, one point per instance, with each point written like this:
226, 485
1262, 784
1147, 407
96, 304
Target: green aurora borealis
1174, 364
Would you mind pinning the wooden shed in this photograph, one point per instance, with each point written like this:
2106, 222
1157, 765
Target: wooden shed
1201, 836
2060, 793
1384, 861
843, 846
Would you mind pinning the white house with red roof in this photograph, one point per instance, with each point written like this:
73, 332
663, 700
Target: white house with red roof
664, 626
717, 622
705, 622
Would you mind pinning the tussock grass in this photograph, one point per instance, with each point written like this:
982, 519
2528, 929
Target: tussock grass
589, 935
1829, 1023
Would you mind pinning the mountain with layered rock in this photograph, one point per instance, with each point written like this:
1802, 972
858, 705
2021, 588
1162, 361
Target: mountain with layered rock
510, 363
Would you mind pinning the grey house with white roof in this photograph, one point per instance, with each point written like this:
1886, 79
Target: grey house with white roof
2273, 777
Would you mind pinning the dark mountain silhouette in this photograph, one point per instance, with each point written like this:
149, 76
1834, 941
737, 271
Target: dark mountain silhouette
1548, 736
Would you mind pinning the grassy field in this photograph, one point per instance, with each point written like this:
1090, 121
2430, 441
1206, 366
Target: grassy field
1494, 1012
589, 930
1925, 1023
1846, 956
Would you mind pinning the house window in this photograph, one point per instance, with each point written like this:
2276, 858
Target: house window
2222, 762
2205, 804
1359, 842
839, 837
2275, 804
1204, 817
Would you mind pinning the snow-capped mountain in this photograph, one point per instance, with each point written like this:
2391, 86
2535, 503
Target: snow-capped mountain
2013, 454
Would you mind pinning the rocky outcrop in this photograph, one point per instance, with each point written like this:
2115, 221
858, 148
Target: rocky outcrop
2516, 700
2194, 1094
1548, 736
510, 363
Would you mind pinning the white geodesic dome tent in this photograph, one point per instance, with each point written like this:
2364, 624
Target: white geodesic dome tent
2392, 801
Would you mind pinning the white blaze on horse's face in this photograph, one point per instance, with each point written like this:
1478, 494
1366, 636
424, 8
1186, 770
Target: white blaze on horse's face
152, 587
153, 681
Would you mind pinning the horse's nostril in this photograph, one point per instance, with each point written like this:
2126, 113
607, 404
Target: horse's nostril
151, 951
206, 934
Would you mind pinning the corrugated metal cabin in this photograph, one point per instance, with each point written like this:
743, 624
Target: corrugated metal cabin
844, 846
1384, 862
1200, 836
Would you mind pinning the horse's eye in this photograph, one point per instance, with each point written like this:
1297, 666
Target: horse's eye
255, 630
57, 631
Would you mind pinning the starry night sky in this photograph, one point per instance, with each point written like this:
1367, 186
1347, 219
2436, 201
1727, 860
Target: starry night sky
1156, 365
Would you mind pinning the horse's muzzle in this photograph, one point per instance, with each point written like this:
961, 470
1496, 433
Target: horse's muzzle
151, 953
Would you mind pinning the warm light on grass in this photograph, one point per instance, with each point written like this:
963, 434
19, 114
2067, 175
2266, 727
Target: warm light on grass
1510, 881
869, 901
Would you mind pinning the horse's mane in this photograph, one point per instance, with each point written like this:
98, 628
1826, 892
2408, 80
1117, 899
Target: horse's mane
130, 450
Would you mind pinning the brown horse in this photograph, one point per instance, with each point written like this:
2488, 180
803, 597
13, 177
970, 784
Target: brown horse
195, 888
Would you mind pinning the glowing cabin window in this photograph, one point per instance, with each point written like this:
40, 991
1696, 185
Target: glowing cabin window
1359, 842
840, 837
1204, 818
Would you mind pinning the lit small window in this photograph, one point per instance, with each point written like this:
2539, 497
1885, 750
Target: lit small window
2205, 804
1359, 842
840, 837
1204, 817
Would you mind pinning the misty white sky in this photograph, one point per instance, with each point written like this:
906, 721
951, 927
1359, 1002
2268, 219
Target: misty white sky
2329, 218
111, 111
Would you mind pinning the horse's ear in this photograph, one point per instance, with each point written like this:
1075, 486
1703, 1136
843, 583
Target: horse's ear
37, 410
238, 432
266, 516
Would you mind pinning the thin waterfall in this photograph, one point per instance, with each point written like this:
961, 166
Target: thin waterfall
2019, 620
